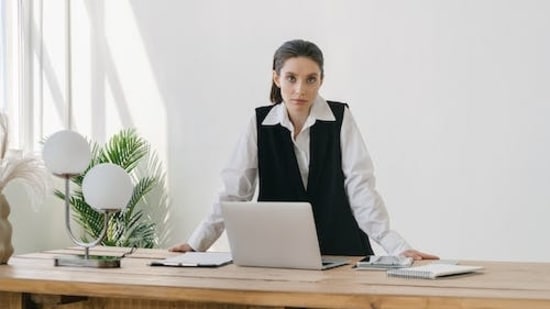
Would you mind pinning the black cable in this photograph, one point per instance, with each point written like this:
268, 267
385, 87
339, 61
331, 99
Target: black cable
131, 251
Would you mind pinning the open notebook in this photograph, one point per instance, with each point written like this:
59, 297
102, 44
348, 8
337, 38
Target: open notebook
432, 270
196, 259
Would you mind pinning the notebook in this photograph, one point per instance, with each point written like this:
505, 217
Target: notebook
196, 259
274, 234
432, 270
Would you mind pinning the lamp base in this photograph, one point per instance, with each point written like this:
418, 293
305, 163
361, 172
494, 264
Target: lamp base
93, 261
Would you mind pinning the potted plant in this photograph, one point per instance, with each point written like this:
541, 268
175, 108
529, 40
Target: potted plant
134, 226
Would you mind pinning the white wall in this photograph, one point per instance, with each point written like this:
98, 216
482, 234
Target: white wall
451, 96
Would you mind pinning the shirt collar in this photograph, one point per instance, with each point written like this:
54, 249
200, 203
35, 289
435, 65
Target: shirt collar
319, 111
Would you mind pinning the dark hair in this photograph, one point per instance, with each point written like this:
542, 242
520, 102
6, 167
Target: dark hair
291, 49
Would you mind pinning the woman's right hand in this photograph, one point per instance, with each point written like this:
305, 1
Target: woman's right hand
185, 247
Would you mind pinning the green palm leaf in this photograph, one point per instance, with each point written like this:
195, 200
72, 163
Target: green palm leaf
131, 226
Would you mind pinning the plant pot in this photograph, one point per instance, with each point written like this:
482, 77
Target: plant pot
6, 247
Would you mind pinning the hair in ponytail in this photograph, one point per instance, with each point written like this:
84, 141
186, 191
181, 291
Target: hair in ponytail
292, 49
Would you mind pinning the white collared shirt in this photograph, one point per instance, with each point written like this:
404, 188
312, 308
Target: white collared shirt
240, 177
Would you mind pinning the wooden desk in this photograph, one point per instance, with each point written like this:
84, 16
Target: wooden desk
32, 279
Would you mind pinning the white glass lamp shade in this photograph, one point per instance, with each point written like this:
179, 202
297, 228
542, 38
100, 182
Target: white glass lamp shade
66, 153
107, 186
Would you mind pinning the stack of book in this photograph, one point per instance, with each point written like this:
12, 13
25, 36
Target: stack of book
433, 271
400, 266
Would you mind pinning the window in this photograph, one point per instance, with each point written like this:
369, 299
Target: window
83, 59
10, 66
29, 78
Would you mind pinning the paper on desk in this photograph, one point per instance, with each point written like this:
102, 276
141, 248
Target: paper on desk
196, 259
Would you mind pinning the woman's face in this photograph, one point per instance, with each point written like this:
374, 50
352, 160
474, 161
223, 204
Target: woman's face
299, 80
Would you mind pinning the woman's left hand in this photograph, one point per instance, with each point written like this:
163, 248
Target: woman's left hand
417, 255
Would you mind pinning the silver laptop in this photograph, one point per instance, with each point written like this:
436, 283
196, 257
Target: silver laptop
274, 234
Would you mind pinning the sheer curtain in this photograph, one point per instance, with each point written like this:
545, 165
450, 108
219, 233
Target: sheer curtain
33, 69
11, 66
33, 95
3, 69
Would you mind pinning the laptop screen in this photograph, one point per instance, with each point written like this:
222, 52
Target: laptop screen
272, 234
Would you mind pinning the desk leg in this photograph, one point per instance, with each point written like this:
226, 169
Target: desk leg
11, 300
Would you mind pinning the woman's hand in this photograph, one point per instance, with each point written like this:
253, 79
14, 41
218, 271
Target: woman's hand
185, 247
417, 255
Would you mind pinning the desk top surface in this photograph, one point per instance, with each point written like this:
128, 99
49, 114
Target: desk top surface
338, 287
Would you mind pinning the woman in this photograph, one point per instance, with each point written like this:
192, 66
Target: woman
303, 148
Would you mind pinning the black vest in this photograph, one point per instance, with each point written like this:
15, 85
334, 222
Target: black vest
280, 180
